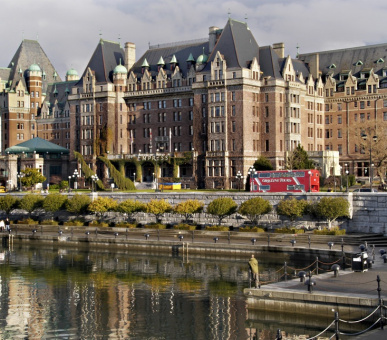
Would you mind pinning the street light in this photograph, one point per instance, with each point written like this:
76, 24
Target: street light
69, 183
370, 174
20, 175
240, 177
75, 175
134, 177
310, 183
94, 179
251, 172
347, 173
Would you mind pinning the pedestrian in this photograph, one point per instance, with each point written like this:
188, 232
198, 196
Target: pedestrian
2, 226
7, 225
253, 265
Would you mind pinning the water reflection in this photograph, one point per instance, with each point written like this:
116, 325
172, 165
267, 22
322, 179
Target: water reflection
48, 292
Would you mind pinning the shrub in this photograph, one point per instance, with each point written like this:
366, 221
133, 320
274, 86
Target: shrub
54, 202
155, 226
292, 208
252, 229
217, 228
74, 223
8, 203
221, 208
78, 204
125, 225
254, 208
30, 202
288, 231
332, 231
331, 208
130, 207
184, 226
157, 208
188, 208
49, 222
98, 224
102, 204
28, 221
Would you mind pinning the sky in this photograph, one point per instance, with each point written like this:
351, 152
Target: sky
69, 31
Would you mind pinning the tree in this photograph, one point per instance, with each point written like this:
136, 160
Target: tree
262, 164
292, 208
369, 138
221, 208
331, 208
31, 177
78, 204
298, 159
54, 202
8, 203
157, 208
254, 208
31, 202
130, 207
188, 208
102, 204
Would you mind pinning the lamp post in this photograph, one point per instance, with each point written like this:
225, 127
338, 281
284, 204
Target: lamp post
94, 179
251, 172
69, 183
240, 177
20, 175
310, 183
374, 138
75, 176
347, 173
134, 177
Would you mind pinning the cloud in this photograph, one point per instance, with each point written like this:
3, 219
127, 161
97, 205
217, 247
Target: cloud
69, 31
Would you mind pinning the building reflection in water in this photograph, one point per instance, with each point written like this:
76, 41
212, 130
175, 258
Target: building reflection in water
68, 294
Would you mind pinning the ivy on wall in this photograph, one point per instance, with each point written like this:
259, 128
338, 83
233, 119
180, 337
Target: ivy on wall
119, 179
87, 171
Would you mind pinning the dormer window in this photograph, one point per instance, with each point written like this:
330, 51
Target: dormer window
332, 66
380, 60
359, 63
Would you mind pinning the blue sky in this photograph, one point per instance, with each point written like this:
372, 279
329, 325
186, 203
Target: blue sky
69, 30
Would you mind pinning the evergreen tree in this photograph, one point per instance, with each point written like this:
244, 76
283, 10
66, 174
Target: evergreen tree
298, 159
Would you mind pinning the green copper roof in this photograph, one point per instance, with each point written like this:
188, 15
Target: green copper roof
38, 145
72, 72
145, 63
173, 60
161, 61
202, 59
191, 58
120, 69
34, 67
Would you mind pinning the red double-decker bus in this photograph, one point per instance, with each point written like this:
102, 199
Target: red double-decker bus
285, 181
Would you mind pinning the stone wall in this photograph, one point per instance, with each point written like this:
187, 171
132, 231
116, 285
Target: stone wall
368, 210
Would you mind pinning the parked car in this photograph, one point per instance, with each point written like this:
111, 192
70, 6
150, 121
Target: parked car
365, 190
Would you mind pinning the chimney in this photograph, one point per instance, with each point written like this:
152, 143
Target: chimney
279, 48
314, 65
213, 37
130, 55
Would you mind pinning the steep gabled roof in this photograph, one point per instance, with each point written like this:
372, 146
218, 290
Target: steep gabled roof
269, 62
57, 92
105, 58
237, 44
37, 144
181, 51
355, 59
30, 52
